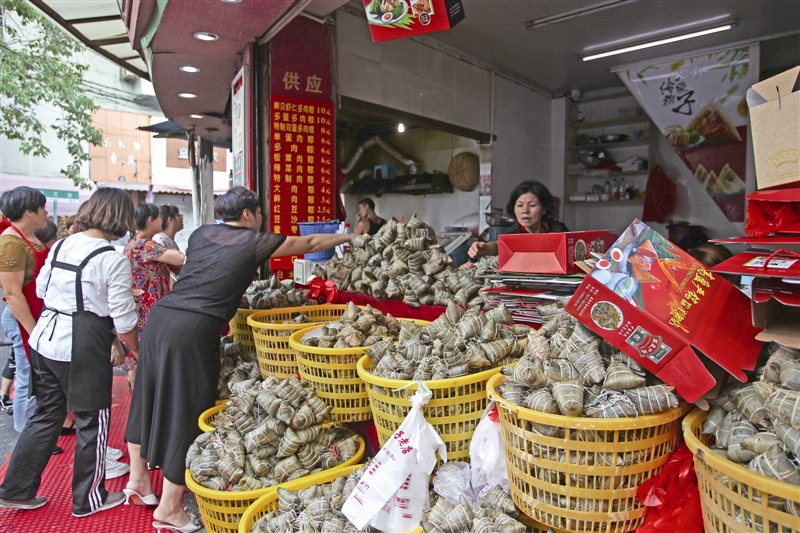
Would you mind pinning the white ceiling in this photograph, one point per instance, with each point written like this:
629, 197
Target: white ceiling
549, 57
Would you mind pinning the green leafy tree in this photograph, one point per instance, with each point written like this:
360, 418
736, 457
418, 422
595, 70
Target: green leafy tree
37, 68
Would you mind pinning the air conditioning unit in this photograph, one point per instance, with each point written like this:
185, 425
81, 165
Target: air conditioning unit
126, 75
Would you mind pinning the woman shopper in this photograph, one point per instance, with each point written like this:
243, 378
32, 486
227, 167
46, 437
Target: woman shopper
149, 267
171, 224
86, 287
23, 256
179, 363
534, 209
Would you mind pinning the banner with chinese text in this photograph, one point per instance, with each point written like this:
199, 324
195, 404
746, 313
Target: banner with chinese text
699, 105
301, 188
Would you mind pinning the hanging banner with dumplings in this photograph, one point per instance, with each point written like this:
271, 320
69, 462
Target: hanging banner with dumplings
699, 105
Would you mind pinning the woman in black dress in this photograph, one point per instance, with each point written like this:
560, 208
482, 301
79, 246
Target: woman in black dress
179, 354
535, 211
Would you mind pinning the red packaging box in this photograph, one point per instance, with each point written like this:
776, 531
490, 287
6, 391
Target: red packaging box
660, 306
408, 18
773, 211
550, 253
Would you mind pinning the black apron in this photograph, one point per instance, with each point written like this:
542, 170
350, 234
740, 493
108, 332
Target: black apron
91, 371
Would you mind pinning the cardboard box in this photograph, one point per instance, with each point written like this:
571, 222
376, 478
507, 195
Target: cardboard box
775, 122
660, 306
776, 308
408, 18
550, 253
774, 211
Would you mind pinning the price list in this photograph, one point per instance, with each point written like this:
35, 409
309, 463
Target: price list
301, 167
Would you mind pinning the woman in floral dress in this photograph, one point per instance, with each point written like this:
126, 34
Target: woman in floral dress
149, 262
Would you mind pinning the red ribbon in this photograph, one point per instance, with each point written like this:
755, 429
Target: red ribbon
318, 288
778, 252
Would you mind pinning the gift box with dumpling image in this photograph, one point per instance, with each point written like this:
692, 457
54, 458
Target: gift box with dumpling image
659, 305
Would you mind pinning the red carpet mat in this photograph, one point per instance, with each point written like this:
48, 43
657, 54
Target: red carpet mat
56, 486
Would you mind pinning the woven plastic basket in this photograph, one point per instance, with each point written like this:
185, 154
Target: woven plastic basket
241, 330
311, 228
333, 372
271, 335
455, 409
207, 417
222, 510
269, 501
734, 498
548, 481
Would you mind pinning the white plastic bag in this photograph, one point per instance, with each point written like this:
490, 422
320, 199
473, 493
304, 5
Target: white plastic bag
453, 480
487, 454
393, 492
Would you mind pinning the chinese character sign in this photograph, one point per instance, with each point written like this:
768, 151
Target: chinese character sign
301, 166
124, 153
699, 105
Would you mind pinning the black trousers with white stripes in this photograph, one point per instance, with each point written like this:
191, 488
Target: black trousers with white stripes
35, 445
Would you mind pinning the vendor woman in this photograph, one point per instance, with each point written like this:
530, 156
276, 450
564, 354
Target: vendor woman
533, 207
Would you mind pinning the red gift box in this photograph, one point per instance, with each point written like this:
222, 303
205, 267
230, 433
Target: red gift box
550, 253
658, 304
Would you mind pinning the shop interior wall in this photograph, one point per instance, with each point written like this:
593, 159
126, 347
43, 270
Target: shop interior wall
410, 76
693, 204
432, 151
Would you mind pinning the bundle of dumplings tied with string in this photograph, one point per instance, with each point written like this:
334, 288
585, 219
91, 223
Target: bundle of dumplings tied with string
758, 424
273, 294
357, 327
454, 345
271, 431
235, 365
567, 369
404, 261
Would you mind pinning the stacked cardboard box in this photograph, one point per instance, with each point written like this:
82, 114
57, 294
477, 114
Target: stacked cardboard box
773, 212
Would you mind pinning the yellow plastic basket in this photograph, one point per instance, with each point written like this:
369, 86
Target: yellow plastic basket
207, 417
241, 330
618, 454
269, 501
271, 335
333, 374
222, 510
454, 410
734, 498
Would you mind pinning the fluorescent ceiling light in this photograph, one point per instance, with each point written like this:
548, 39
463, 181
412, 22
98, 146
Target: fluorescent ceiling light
196, 116
659, 43
672, 30
190, 69
187, 95
206, 36
581, 11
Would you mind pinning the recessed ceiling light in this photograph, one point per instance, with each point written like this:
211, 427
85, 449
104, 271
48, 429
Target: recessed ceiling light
401, 128
231, 1
187, 95
190, 69
206, 36
196, 116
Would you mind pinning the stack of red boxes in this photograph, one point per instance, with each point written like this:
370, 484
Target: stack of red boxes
773, 212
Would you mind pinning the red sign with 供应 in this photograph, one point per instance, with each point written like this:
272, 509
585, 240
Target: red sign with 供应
301, 130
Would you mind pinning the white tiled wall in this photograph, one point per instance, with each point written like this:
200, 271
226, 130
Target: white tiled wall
406, 75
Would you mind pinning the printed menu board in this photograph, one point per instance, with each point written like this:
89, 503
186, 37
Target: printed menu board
301, 169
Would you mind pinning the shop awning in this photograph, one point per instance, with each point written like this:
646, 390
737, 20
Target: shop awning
124, 185
61, 190
182, 189
97, 24
169, 129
